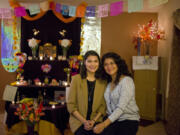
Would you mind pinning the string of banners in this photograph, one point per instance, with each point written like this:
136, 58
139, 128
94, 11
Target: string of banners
112, 9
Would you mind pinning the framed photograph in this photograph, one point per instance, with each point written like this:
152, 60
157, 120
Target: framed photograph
60, 96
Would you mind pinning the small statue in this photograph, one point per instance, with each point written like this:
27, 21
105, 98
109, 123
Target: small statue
46, 81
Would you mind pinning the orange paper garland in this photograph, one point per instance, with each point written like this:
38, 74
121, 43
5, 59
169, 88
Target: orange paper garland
14, 4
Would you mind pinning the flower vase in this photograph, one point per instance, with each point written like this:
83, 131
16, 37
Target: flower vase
64, 51
139, 46
147, 48
68, 78
34, 53
30, 129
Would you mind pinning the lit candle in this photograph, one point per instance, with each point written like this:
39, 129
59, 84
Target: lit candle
17, 83
51, 58
65, 83
41, 58
39, 83
53, 106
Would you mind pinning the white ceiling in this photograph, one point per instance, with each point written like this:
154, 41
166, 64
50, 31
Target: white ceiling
4, 3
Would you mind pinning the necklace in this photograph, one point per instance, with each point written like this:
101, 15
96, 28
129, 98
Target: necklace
112, 86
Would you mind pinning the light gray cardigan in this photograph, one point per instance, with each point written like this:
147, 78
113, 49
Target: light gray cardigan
121, 104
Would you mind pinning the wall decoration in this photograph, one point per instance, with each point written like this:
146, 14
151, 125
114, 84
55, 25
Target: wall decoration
5, 13
34, 9
116, 8
103, 10
154, 3
90, 11
45, 7
135, 5
72, 11
82, 9
91, 35
50, 32
10, 38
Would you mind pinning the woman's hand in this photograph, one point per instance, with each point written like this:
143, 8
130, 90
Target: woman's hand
99, 128
91, 123
88, 125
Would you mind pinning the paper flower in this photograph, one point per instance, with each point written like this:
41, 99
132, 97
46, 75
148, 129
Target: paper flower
33, 42
29, 111
150, 31
46, 68
65, 42
22, 58
147, 33
36, 81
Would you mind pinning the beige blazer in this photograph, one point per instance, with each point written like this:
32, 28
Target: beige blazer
78, 100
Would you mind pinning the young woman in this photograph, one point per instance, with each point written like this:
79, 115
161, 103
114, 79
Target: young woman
86, 103
119, 95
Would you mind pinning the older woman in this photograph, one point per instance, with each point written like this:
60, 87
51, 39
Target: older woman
122, 110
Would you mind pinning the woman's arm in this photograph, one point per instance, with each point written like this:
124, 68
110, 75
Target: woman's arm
72, 97
72, 103
100, 127
97, 117
79, 117
127, 92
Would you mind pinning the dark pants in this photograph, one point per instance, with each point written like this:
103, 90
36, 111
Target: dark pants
82, 131
126, 127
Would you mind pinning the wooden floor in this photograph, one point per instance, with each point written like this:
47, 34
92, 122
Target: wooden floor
154, 129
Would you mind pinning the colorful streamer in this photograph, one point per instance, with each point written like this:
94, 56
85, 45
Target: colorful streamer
44, 6
90, 11
58, 8
34, 9
81, 10
154, 3
65, 10
135, 5
116, 8
5, 13
20, 11
103, 10
72, 11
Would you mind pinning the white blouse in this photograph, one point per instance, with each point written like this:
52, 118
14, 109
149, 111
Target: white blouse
121, 104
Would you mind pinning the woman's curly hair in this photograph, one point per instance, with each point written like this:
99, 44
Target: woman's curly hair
83, 70
121, 64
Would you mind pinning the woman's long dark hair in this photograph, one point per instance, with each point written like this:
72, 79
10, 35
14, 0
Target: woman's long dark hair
121, 64
83, 70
